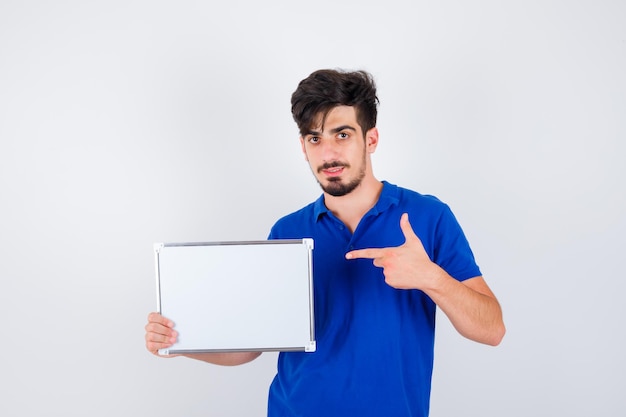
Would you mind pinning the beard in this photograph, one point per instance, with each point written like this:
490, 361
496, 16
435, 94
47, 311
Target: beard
335, 186
338, 188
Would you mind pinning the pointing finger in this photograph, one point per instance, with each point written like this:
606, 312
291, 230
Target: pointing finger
371, 253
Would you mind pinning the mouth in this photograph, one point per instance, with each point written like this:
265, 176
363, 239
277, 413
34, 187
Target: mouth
333, 172
333, 169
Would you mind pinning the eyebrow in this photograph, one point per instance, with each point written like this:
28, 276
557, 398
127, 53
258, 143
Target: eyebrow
333, 131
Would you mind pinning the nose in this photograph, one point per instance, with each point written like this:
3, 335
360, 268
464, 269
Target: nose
330, 150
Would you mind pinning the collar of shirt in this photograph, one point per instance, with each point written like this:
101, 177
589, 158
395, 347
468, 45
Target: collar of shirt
388, 197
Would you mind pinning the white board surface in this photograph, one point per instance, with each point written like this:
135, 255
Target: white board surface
237, 296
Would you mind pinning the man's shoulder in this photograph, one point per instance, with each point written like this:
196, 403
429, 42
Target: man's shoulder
292, 224
410, 198
299, 215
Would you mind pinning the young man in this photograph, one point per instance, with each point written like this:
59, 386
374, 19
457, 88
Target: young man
384, 258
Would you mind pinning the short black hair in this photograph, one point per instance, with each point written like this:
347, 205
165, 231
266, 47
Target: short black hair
326, 89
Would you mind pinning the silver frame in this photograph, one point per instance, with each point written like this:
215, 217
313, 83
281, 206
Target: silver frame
308, 242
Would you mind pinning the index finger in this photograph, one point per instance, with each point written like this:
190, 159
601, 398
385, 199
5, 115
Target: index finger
159, 319
370, 253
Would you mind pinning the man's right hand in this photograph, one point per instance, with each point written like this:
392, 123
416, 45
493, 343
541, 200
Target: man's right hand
160, 334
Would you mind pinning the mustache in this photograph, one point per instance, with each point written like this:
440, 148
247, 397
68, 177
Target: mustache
333, 164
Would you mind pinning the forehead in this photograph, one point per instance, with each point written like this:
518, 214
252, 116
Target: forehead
337, 116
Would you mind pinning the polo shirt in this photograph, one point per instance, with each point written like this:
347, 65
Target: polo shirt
375, 343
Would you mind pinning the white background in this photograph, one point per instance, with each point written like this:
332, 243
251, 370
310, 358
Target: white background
124, 123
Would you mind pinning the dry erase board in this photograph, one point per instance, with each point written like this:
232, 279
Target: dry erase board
237, 296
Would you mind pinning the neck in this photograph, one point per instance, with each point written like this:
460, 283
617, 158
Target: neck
351, 207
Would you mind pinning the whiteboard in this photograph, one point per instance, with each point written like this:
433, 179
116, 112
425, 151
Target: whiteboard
237, 296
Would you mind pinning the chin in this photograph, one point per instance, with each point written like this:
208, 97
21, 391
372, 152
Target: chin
337, 188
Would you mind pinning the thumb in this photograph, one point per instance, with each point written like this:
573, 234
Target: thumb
407, 229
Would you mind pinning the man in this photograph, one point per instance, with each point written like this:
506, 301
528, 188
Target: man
384, 258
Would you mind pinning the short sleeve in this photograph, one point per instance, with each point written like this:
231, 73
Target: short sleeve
452, 251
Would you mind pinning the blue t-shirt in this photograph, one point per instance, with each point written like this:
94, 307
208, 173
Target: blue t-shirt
374, 343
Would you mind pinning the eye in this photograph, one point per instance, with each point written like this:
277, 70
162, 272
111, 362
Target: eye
313, 139
343, 135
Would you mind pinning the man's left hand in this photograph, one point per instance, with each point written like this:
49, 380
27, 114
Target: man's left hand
405, 267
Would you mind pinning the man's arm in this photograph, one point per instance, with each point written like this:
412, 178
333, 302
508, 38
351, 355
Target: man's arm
160, 334
470, 305
225, 358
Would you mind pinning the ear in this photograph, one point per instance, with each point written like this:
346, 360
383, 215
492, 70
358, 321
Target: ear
371, 139
306, 158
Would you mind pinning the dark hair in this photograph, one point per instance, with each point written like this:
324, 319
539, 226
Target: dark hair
325, 89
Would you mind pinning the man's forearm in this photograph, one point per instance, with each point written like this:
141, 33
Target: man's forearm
224, 358
471, 307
